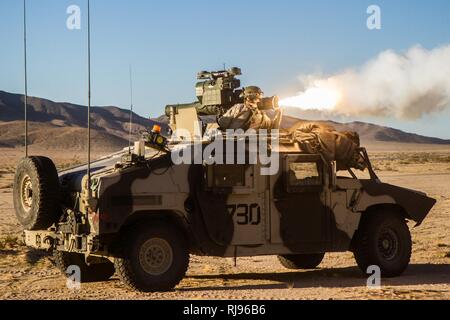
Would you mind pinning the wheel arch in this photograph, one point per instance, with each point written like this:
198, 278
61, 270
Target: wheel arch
177, 219
171, 216
381, 207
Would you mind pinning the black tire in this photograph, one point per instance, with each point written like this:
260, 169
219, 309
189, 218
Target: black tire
383, 240
301, 261
36, 193
155, 258
92, 273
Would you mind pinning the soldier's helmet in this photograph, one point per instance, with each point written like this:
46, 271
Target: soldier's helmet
253, 92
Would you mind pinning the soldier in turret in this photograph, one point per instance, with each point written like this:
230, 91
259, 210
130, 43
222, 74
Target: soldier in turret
247, 115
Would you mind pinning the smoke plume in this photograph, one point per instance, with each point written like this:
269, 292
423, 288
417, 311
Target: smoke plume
404, 86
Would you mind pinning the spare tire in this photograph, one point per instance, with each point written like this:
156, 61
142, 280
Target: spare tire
37, 193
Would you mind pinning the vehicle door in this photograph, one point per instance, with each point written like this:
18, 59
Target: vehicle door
299, 214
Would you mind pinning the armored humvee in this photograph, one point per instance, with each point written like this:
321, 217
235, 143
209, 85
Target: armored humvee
140, 215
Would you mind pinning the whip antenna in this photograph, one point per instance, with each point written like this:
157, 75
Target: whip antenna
131, 109
89, 99
25, 74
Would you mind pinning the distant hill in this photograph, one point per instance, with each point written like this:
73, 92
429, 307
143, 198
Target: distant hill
61, 126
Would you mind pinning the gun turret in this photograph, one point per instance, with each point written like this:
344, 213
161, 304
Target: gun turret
217, 93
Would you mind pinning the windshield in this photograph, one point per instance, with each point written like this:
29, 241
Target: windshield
367, 173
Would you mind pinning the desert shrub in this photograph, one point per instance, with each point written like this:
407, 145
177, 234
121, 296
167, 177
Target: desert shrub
10, 242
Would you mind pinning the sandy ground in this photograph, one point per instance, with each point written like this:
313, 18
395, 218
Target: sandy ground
28, 274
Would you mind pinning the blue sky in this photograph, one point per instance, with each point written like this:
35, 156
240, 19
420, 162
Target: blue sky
168, 42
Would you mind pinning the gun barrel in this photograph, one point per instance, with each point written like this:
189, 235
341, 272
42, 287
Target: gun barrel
269, 103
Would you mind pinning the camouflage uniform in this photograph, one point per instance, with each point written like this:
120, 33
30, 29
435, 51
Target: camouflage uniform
245, 117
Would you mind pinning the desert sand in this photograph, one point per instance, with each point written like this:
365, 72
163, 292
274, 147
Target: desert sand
30, 274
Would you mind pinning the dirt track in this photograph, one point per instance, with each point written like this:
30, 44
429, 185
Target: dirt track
27, 274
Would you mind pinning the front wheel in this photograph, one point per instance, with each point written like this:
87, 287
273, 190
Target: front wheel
154, 258
383, 240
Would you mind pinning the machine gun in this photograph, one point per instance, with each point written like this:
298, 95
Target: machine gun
217, 93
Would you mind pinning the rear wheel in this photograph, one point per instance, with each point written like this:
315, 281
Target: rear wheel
155, 258
36, 193
88, 273
383, 240
301, 261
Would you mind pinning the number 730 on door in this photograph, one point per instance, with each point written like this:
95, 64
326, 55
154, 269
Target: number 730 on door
247, 214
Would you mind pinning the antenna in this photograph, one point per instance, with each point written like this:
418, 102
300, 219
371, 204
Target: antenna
131, 109
89, 100
25, 74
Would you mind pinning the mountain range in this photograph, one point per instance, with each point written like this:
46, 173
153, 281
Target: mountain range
55, 125
61, 125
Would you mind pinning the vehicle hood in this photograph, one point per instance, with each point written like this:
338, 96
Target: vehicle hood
417, 204
71, 179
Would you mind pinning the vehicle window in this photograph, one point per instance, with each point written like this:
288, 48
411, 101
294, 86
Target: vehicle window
226, 176
304, 174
